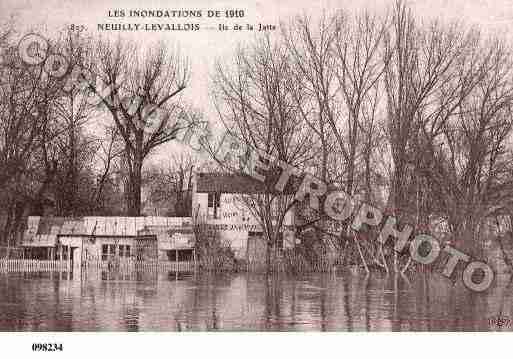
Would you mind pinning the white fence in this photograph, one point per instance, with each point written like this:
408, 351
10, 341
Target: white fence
36, 265
134, 265
32, 265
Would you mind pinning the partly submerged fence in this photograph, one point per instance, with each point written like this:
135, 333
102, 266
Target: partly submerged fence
13, 259
32, 265
135, 265
36, 265
279, 261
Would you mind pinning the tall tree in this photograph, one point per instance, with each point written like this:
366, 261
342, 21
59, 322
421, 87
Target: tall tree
72, 111
255, 100
144, 103
25, 120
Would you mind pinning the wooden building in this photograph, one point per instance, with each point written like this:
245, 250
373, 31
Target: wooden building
109, 241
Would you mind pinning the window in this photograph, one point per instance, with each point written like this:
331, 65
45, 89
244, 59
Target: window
108, 251
112, 249
124, 251
214, 202
105, 252
214, 199
183, 255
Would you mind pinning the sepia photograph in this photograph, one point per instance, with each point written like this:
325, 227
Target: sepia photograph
255, 166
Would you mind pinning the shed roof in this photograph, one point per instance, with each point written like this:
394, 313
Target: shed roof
39, 227
239, 183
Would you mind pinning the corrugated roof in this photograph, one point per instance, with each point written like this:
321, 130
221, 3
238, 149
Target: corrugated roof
127, 226
40, 227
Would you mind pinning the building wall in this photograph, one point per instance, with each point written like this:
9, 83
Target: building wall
87, 236
93, 249
234, 221
232, 210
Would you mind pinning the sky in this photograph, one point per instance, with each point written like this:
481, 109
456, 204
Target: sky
205, 46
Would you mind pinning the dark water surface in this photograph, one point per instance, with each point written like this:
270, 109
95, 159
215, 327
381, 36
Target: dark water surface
313, 302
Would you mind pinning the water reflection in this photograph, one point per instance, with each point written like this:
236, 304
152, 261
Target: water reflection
144, 301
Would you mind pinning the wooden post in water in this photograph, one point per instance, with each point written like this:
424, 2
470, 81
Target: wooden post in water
69, 260
60, 261
82, 255
157, 247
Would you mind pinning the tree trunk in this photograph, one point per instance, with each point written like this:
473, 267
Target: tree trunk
134, 190
268, 256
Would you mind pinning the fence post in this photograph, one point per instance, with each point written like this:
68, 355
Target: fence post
69, 260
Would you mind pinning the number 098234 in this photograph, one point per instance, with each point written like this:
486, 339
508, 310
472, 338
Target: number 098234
47, 347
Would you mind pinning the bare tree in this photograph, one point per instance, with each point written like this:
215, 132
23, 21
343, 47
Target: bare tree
25, 107
468, 164
72, 111
171, 185
338, 62
423, 63
146, 104
108, 153
255, 102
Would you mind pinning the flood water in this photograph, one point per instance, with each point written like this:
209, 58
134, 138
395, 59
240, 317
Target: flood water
243, 302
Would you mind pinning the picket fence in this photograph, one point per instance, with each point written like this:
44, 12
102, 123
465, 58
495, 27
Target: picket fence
35, 265
135, 265
32, 265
